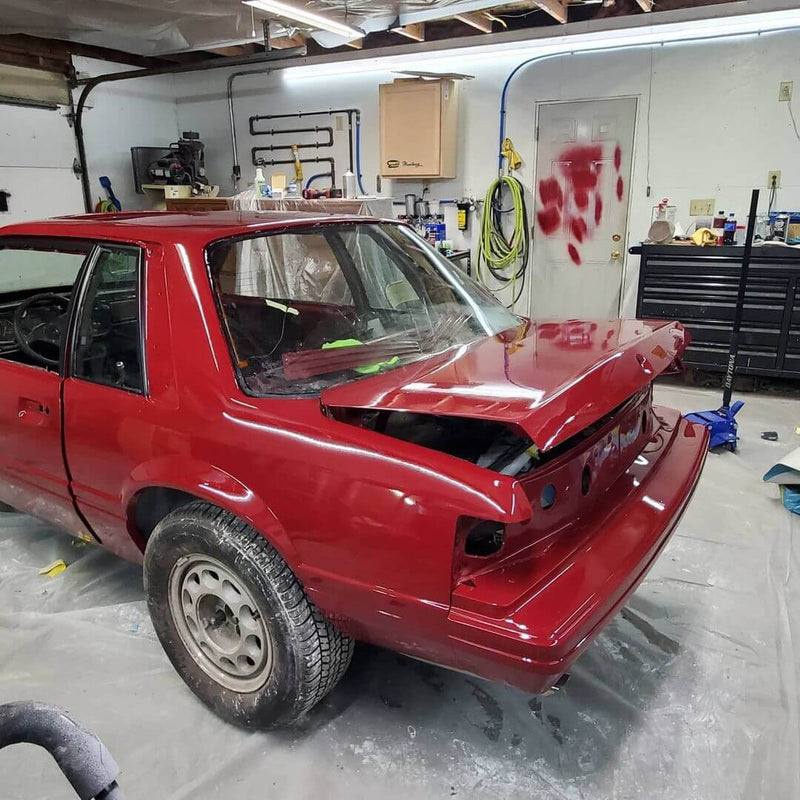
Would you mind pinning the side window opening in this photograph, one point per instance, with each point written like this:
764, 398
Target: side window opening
108, 348
37, 281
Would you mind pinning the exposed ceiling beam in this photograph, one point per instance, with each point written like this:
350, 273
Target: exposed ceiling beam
235, 50
58, 50
557, 9
32, 61
284, 42
645, 5
415, 31
476, 20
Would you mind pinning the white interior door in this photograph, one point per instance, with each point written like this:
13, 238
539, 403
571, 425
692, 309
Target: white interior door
583, 170
37, 147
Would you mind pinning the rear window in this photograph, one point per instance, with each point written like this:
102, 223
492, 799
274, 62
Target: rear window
313, 307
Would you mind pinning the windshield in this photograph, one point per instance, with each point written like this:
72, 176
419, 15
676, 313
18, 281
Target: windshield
313, 307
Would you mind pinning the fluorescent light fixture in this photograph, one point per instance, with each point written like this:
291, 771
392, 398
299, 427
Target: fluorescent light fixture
299, 14
642, 35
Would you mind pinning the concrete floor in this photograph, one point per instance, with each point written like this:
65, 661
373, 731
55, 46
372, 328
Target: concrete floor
691, 692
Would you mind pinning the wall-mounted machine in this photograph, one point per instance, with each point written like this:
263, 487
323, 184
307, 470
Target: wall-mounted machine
182, 163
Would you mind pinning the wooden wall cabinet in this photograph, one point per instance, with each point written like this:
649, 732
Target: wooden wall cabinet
419, 128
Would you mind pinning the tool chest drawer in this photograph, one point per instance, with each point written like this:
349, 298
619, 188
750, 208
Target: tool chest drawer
699, 287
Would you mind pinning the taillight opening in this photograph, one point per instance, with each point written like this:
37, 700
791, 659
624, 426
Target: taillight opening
485, 539
548, 497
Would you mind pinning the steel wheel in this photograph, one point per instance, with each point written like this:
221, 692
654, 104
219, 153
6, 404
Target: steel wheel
220, 624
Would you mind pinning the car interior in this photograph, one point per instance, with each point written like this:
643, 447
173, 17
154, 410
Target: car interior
36, 292
289, 300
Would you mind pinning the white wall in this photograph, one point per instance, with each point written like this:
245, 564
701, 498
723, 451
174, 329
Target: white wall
127, 114
37, 149
716, 126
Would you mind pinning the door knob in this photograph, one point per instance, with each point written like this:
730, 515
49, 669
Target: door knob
616, 255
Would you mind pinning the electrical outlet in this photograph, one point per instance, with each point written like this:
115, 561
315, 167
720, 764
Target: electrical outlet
701, 208
785, 91
774, 174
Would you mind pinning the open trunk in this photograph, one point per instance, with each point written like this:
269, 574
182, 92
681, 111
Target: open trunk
517, 400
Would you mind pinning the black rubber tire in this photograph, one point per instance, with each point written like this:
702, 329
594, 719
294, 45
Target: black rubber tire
310, 653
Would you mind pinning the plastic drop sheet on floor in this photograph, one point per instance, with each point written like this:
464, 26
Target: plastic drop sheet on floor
690, 692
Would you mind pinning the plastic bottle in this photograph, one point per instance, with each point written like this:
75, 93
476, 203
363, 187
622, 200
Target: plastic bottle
718, 226
260, 183
729, 236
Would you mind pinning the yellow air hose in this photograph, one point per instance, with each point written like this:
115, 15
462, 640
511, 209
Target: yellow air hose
505, 257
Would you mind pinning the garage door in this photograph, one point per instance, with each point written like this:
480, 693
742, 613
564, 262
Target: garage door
37, 148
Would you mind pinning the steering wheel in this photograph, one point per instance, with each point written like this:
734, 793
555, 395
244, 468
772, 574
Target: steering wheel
40, 336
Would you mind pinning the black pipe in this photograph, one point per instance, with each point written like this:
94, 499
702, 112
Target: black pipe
288, 131
80, 755
351, 112
271, 148
263, 162
91, 83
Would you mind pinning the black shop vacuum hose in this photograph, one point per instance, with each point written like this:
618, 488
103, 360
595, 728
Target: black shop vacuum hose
81, 756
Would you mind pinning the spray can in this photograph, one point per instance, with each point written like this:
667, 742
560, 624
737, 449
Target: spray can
350, 190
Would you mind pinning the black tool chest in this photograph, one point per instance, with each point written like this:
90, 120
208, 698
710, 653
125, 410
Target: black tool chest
698, 286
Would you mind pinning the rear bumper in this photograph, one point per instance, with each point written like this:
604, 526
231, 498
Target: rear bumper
533, 643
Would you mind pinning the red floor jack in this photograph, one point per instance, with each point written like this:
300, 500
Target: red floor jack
722, 422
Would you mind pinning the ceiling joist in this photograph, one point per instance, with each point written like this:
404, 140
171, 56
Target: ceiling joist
415, 31
476, 20
285, 42
557, 9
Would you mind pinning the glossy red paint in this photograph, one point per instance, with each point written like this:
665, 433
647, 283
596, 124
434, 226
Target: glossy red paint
553, 385
549, 219
368, 522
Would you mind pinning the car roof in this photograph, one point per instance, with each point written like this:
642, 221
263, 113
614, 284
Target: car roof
173, 226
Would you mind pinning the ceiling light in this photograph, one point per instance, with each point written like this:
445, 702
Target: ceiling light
290, 11
646, 34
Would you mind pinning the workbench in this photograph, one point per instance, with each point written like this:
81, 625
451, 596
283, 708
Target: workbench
699, 286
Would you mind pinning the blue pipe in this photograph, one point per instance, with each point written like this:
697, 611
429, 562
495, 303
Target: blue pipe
535, 59
358, 156
317, 177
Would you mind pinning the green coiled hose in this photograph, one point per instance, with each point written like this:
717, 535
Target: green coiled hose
505, 258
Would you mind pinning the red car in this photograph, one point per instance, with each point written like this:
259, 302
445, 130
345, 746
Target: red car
316, 429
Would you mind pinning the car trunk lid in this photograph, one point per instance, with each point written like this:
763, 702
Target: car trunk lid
551, 379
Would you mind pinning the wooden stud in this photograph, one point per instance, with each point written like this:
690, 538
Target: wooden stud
415, 32
476, 20
356, 44
557, 9
234, 50
285, 42
645, 5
